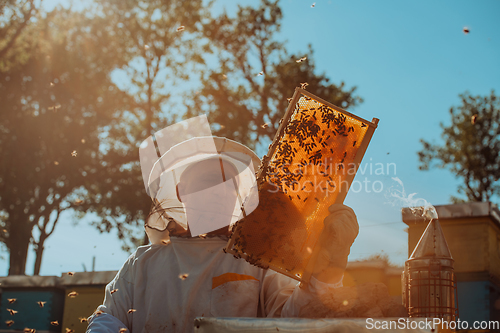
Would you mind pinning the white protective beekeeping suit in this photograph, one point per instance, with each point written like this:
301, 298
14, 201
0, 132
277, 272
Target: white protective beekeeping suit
163, 286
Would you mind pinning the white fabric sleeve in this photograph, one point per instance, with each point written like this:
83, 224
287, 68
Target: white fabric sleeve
118, 299
302, 296
104, 323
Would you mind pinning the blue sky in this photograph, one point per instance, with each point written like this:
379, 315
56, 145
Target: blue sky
409, 60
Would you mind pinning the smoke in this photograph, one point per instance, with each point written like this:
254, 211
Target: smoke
397, 197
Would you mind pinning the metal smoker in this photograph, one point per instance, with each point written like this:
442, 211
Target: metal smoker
429, 283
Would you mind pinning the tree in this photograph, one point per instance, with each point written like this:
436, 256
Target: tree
160, 40
246, 96
471, 147
53, 105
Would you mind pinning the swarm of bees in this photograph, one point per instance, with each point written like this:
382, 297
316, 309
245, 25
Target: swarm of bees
313, 134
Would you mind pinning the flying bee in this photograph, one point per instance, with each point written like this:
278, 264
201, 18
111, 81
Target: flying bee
466, 30
69, 330
131, 310
113, 291
41, 304
9, 323
82, 319
304, 85
78, 202
312, 6
473, 119
71, 273
260, 73
74, 153
54, 323
183, 276
29, 330
11, 300
265, 125
12, 312
73, 294
122, 330
181, 28
301, 59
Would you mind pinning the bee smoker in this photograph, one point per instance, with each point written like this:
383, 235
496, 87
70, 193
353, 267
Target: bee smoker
429, 283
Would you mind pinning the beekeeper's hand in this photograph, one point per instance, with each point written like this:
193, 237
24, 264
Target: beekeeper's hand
340, 231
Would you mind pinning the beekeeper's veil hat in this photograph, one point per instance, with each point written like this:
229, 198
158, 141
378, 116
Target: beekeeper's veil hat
181, 145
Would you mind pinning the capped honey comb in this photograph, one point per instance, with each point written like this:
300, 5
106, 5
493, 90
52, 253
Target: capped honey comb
310, 165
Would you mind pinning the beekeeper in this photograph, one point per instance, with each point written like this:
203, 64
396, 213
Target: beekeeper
201, 187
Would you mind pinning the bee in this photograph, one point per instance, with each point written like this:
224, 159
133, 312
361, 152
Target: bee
473, 119
68, 330
289, 100
74, 153
73, 294
131, 310
113, 291
312, 6
82, 319
466, 30
304, 85
9, 323
41, 304
29, 330
260, 73
12, 312
123, 330
11, 300
183, 276
54, 323
181, 28
146, 47
98, 312
78, 202
71, 273
301, 59
264, 125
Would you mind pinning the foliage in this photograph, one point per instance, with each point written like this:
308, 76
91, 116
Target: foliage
246, 96
471, 148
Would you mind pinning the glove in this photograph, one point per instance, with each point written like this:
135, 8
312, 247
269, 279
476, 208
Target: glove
340, 230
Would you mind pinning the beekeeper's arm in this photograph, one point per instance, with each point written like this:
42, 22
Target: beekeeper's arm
111, 316
282, 296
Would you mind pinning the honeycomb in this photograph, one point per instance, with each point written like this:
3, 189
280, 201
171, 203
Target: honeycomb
310, 165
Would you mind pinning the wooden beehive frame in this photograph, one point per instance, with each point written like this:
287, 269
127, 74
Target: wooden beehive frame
265, 163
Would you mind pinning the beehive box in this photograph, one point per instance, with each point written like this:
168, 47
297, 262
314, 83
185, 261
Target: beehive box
309, 166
